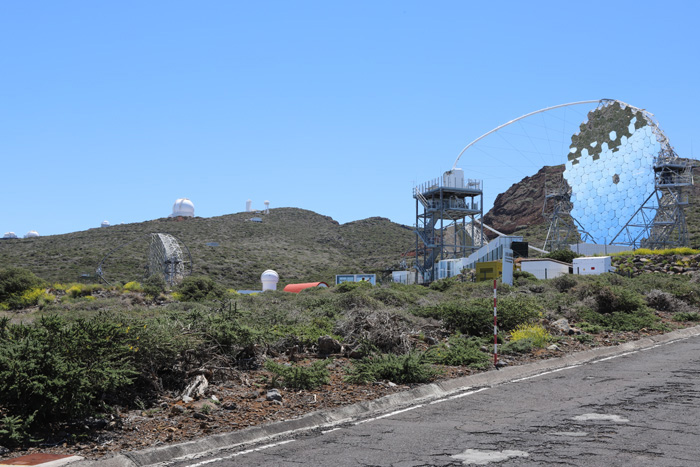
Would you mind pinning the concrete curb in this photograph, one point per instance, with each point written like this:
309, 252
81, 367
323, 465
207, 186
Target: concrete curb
338, 416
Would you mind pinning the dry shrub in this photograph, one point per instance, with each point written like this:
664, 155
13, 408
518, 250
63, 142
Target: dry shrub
387, 331
664, 301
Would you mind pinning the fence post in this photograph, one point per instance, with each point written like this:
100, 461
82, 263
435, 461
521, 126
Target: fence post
495, 324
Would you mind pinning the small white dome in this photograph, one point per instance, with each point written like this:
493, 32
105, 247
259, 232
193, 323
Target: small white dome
31, 233
183, 207
104, 224
269, 280
9, 235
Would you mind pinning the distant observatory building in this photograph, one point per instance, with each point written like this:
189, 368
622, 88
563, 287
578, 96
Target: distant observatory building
9, 235
31, 234
183, 207
249, 205
269, 280
104, 224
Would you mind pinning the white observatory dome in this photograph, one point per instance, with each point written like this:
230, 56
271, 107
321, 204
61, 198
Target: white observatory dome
31, 233
269, 280
183, 207
104, 224
9, 235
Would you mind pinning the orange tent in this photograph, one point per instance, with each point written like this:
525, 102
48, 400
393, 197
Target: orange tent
296, 288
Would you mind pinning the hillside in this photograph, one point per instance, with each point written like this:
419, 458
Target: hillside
300, 245
518, 210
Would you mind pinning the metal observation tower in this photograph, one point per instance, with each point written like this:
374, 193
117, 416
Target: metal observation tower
446, 211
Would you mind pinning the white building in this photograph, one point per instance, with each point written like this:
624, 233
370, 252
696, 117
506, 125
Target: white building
183, 207
31, 234
544, 268
587, 266
269, 280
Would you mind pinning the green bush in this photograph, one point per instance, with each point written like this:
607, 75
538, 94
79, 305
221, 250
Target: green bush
636, 320
564, 283
519, 346
524, 275
400, 369
443, 284
345, 287
13, 283
687, 316
53, 370
474, 317
566, 256
300, 377
199, 288
615, 298
15, 430
459, 351
305, 334
154, 285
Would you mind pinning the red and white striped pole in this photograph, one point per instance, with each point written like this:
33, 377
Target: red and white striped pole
495, 325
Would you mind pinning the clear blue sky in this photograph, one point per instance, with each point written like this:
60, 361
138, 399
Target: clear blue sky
112, 110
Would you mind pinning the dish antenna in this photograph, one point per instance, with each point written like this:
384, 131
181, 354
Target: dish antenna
164, 255
622, 183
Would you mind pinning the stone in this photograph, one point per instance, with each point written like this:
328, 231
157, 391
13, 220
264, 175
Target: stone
187, 399
230, 406
327, 345
3, 450
196, 388
562, 326
553, 347
200, 416
177, 410
273, 395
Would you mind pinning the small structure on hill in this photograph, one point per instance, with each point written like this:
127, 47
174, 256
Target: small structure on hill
9, 235
31, 234
183, 207
105, 224
595, 265
371, 278
269, 280
296, 288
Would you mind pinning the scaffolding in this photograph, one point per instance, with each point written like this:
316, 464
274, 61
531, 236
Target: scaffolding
563, 229
443, 206
660, 222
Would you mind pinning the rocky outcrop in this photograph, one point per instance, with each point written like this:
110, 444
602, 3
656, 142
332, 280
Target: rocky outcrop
521, 205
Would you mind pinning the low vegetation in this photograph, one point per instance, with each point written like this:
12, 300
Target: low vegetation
73, 351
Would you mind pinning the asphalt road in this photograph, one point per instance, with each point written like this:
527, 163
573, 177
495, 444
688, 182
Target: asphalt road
635, 409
